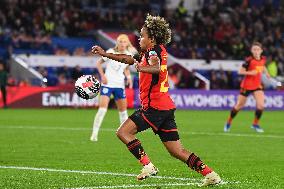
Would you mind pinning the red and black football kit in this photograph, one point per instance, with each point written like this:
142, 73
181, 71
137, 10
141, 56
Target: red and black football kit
252, 83
157, 111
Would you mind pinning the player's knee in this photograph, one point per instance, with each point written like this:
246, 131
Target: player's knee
260, 107
120, 133
176, 153
239, 106
122, 108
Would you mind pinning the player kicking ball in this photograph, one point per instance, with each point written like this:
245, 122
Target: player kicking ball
252, 70
158, 109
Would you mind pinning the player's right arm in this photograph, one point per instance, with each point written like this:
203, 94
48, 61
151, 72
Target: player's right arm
101, 71
244, 69
153, 67
123, 58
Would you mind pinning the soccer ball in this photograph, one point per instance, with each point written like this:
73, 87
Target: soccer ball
87, 87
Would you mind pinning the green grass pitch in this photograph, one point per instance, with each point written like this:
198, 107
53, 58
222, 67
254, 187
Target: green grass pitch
58, 142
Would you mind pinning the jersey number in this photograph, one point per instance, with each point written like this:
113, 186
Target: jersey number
164, 84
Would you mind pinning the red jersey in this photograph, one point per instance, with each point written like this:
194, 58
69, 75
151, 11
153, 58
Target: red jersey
154, 87
252, 82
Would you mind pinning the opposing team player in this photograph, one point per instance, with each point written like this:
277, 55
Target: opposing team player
252, 70
158, 109
113, 83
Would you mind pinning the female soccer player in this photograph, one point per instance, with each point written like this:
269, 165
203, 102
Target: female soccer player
157, 110
252, 70
113, 83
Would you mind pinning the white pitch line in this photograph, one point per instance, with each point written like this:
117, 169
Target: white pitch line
140, 186
92, 172
257, 135
47, 128
118, 174
148, 185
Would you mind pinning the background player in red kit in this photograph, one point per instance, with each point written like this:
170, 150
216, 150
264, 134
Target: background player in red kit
252, 70
157, 110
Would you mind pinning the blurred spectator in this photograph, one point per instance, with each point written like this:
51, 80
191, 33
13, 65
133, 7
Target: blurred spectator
76, 73
62, 80
214, 81
230, 80
61, 52
173, 76
208, 32
272, 67
66, 71
238, 48
219, 30
192, 82
180, 11
3, 83
11, 81
217, 24
79, 52
208, 54
223, 80
42, 70
24, 83
219, 80
181, 82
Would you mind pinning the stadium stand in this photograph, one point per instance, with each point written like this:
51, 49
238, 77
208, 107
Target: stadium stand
212, 32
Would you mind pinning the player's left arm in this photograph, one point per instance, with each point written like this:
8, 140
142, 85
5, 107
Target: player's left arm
153, 67
128, 77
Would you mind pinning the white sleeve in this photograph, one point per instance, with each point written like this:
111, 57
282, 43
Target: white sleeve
108, 51
130, 53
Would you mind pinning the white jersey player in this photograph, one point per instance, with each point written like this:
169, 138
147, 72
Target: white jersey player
113, 83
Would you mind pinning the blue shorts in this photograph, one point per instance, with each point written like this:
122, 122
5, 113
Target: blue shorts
118, 93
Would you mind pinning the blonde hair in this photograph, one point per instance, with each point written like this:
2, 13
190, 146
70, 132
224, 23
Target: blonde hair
129, 48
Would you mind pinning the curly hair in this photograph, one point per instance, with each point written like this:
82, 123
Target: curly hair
158, 29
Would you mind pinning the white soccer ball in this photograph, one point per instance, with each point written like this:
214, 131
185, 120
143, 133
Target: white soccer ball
87, 87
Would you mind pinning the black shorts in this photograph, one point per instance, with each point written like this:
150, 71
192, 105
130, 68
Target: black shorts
162, 122
246, 92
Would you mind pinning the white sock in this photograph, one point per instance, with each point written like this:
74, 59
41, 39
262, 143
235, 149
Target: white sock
123, 116
98, 122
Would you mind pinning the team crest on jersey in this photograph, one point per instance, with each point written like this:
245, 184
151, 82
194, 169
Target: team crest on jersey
105, 90
152, 53
259, 69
